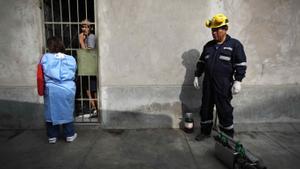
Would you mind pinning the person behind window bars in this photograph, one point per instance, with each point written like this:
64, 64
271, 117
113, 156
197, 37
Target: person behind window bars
223, 61
59, 73
87, 41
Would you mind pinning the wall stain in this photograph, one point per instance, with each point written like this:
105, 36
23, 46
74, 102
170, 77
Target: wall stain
262, 70
157, 107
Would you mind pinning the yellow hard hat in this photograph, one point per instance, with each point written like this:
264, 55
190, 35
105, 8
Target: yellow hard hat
217, 21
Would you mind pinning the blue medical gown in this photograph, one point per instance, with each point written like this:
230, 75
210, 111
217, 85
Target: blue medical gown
59, 72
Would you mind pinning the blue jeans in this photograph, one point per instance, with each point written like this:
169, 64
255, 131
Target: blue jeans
54, 130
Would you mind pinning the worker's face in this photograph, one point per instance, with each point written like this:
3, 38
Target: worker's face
218, 34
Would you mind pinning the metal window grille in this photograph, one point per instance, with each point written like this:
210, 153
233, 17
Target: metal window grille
62, 18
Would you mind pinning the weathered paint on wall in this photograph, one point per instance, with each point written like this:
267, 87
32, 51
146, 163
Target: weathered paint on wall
20, 46
148, 51
154, 35
20, 42
270, 31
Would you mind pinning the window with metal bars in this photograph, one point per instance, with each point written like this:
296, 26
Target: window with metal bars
63, 18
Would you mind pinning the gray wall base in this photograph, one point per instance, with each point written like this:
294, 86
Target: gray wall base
163, 107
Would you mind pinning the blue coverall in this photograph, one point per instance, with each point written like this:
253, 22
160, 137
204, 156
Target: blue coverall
222, 64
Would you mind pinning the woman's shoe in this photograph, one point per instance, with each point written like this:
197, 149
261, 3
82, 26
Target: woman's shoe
71, 138
52, 140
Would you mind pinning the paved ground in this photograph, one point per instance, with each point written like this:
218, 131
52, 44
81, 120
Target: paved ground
278, 145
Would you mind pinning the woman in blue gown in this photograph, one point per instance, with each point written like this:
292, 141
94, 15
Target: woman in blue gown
59, 73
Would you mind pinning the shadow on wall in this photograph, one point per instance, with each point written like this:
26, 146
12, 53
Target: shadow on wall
256, 104
134, 120
21, 115
189, 96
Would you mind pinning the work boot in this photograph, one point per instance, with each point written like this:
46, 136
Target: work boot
229, 132
202, 136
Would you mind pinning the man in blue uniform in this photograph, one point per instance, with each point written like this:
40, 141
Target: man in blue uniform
223, 62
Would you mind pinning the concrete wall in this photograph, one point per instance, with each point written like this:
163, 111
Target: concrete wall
148, 50
20, 46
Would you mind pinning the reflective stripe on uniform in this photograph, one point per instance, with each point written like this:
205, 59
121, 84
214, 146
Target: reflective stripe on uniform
206, 122
241, 64
201, 61
206, 57
222, 57
228, 48
227, 128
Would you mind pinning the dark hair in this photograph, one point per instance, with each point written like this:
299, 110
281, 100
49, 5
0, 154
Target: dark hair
55, 45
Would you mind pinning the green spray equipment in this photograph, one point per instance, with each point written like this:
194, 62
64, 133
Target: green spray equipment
233, 154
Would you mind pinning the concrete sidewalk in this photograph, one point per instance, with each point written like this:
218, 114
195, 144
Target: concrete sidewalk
278, 145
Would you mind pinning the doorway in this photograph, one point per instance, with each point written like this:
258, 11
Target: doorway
64, 18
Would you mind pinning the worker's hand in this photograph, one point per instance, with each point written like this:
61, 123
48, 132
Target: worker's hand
196, 83
236, 88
